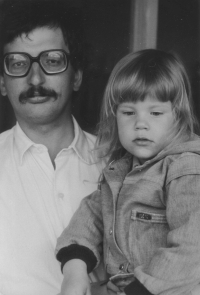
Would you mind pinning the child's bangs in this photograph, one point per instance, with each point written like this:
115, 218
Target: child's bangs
137, 87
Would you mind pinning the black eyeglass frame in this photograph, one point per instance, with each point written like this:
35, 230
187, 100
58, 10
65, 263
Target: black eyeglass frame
36, 59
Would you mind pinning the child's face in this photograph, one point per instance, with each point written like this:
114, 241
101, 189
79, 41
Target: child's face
144, 127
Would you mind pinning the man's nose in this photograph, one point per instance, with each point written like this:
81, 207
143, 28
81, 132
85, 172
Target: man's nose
36, 76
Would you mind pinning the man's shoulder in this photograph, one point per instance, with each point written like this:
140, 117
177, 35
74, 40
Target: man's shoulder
93, 152
6, 142
5, 137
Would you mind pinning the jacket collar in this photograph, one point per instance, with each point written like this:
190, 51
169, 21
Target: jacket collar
117, 170
129, 162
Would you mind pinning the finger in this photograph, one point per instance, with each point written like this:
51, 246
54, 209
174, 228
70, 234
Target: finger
112, 287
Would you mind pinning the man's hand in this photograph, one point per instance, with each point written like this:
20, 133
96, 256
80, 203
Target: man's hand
76, 280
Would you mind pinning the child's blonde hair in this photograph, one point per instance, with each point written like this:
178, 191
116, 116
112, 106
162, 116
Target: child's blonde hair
149, 72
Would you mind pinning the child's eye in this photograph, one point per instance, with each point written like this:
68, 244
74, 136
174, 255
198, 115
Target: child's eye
128, 113
156, 114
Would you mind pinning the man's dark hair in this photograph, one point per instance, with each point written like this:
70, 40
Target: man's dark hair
23, 16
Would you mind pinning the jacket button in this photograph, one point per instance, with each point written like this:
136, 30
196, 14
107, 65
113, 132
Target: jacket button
121, 267
111, 231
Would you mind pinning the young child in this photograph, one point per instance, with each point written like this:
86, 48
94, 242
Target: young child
145, 217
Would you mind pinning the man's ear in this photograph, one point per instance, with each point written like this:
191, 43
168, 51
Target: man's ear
2, 86
77, 80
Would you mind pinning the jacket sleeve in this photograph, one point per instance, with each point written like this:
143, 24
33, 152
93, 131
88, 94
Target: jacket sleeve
175, 269
84, 232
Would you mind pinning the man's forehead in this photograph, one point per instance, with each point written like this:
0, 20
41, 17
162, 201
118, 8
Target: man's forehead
39, 39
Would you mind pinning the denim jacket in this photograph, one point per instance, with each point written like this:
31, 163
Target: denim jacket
145, 219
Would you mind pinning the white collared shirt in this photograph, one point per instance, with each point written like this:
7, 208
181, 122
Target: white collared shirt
36, 204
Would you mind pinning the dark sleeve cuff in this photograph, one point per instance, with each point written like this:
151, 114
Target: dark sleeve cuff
136, 288
77, 252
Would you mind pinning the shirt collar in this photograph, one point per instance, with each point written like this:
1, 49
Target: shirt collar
22, 142
80, 144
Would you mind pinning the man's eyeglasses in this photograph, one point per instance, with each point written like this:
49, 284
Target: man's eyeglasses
18, 64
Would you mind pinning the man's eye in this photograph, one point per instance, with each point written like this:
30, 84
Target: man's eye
156, 114
19, 64
53, 62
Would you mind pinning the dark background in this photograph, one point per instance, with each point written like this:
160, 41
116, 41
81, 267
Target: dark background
107, 24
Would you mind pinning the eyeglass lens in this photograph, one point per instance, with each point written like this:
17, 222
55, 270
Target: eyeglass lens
18, 64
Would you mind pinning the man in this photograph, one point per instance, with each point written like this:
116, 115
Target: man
47, 162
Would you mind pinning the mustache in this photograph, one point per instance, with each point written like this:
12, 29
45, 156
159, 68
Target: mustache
37, 91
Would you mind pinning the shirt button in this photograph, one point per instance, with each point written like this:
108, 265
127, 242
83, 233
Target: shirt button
60, 196
121, 267
111, 231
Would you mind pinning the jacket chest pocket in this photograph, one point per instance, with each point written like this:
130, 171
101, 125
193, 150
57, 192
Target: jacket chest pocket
149, 217
147, 232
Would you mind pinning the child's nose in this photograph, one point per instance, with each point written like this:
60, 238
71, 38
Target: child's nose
141, 123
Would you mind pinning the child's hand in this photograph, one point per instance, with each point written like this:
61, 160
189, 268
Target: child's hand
196, 291
103, 289
76, 280
112, 288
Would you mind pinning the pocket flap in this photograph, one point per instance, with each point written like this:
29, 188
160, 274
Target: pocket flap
148, 216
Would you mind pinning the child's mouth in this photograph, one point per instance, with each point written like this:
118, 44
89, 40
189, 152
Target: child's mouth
142, 141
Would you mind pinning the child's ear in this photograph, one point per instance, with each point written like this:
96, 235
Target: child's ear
77, 80
2, 86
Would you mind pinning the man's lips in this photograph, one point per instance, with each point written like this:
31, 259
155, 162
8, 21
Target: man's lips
37, 99
36, 95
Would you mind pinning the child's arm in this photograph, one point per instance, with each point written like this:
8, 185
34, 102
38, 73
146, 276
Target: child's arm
85, 230
81, 240
75, 281
175, 269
